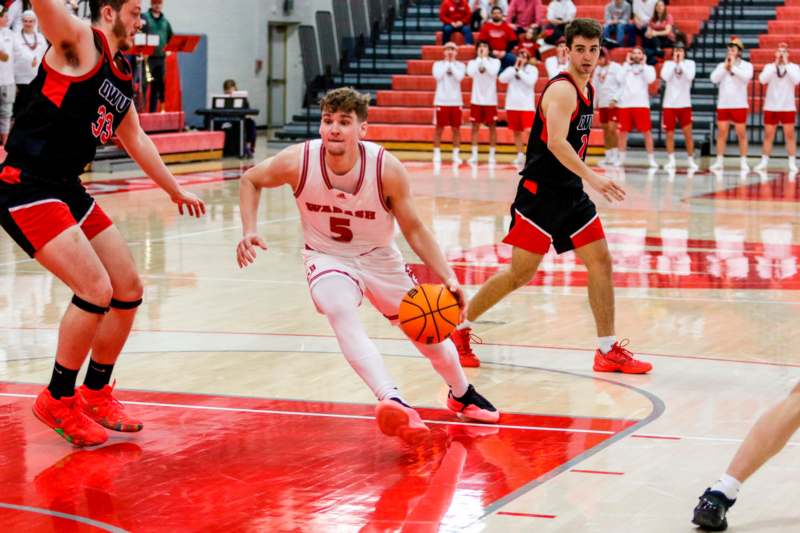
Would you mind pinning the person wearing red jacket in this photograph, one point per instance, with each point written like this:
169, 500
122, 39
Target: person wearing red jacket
501, 37
455, 16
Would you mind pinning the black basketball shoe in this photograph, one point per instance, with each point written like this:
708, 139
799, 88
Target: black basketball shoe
710, 512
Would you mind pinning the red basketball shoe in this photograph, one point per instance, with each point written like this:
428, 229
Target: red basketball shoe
473, 406
103, 408
395, 418
461, 338
67, 419
619, 359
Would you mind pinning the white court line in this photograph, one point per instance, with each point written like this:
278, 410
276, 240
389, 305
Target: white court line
334, 415
441, 422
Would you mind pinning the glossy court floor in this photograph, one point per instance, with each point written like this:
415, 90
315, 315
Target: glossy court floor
254, 421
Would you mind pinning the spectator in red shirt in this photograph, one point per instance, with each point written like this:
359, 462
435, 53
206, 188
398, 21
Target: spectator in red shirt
501, 37
455, 16
528, 41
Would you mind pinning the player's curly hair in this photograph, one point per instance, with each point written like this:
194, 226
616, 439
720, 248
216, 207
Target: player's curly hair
346, 100
586, 28
96, 5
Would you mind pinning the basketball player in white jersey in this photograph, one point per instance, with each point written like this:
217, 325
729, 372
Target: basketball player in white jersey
350, 193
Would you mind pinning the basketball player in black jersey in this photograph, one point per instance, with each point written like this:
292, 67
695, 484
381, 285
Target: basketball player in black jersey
81, 97
551, 206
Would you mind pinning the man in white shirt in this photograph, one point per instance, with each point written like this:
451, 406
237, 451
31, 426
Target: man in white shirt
8, 90
634, 103
29, 49
520, 105
483, 102
447, 102
559, 14
607, 86
558, 62
732, 76
781, 79
678, 74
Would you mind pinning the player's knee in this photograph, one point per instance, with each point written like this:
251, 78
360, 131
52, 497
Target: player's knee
97, 291
601, 263
521, 275
130, 289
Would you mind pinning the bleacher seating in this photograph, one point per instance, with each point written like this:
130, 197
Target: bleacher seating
404, 113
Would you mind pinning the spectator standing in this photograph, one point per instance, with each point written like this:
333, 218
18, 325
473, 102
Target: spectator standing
559, 61
8, 90
155, 23
483, 102
29, 49
634, 103
660, 33
781, 79
732, 77
448, 101
559, 14
618, 22
607, 87
678, 75
500, 36
455, 16
521, 79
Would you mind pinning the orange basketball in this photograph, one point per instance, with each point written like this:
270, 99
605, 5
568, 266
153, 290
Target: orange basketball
429, 313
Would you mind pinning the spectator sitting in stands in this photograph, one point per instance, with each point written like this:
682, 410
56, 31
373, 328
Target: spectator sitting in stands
558, 62
559, 14
529, 42
229, 87
500, 36
642, 13
29, 48
617, 21
522, 14
455, 16
482, 11
483, 102
659, 34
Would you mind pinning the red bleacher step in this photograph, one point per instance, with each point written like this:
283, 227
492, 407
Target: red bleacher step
187, 141
420, 133
771, 40
168, 121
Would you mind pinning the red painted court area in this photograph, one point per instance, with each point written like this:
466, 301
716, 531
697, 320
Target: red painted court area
234, 464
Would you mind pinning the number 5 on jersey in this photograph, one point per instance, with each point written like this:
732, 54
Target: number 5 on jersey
340, 228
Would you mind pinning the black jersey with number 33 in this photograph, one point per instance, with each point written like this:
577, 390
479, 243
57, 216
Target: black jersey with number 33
541, 165
57, 134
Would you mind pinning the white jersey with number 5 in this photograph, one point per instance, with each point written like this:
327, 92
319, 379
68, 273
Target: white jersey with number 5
337, 222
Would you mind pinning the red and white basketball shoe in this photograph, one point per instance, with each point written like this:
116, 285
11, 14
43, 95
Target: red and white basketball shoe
103, 408
396, 419
619, 359
66, 417
462, 338
473, 406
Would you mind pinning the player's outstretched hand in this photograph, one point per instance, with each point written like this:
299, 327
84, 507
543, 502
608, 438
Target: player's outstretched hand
194, 206
607, 187
246, 249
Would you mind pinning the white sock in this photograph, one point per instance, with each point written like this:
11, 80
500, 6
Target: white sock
614, 152
651, 157
455, 152
520, 155
765, 159
621, 157
720, 159
465, 325
691, 160
491, 152
671, 157
605, 343
338, 299
444, 358
743, 159
437, 153
727, 485
474, 150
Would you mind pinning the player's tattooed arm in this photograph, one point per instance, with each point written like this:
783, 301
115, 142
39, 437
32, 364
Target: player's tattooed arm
280, 169
558, 103
398, 196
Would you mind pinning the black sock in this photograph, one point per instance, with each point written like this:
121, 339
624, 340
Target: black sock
62, 383
97, 375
